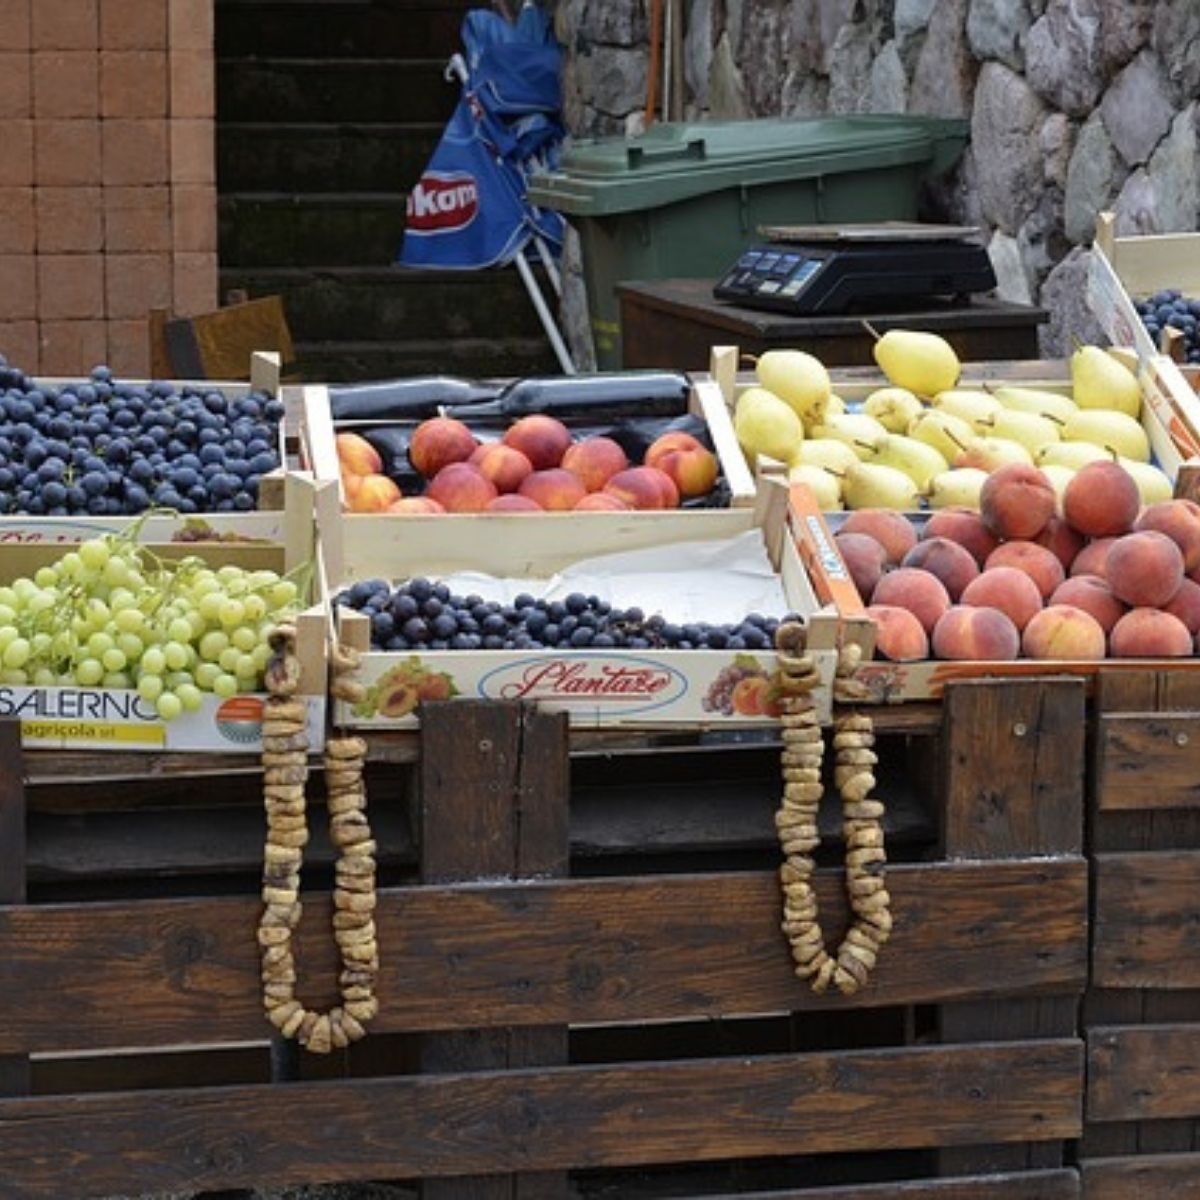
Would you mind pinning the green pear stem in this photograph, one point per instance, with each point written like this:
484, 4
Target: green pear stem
872, 330
1057, 420
954, 439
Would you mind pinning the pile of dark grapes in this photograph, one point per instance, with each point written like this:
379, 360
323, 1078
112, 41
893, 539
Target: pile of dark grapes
424, 615
1171, 309
106, 448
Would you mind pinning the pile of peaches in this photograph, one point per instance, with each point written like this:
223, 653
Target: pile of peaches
1099, 576
536, 466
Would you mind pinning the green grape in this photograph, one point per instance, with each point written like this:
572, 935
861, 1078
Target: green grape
245, 668
225, 686
190, 696
136, 581
24, 588
261, 655
121, 599
41, 602
89, 671
210, 604
283, 594
228, 659
99, 643
116, 572
129, 620
8, 614
233, 613
94, 554
154, 661
247, 684
245, 638
180, 630
255, 608
169, 706
98, 612
177, 655
14, 677
213, 644
8, 597
130, 645
150, 687
44, 677
236, 586
196, 623
113, 659
71, 564
262, 578
16, 653
115, 680
41, 643
228, 572
8, 634
177, 679
204, 585
207, 674
45, 577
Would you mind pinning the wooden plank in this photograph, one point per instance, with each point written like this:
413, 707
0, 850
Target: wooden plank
1178, 1135
1147, 920
1147, 1177
547, 1119
1145, 1072
556, 952
1148, 760
1028, 1185
14, 1068
1101, 1006
494, 802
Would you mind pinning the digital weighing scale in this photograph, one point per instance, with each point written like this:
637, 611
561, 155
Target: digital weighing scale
814, 269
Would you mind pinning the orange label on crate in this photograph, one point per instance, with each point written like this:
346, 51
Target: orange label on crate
831, 581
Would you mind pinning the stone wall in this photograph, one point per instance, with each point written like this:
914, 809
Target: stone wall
108, 200
1075, 105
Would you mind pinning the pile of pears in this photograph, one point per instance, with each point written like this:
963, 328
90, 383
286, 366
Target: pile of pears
923, 441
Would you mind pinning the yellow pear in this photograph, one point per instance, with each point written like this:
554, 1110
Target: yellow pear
918, 460
1074, 455
835, 404
857, 430
959, 487
945, 432
872, 485
1036, 400
1030, 429
1153, 485
825, 486
1100, 381
1059, 477
988, 453
765, 425
798, 379
966, 404
923, 363
1115, 431
831, 453
893, 408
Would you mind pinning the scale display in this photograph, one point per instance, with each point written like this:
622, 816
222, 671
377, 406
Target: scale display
846, 275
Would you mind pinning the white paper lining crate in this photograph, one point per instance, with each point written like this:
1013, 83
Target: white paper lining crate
95, 718
628, 688
1125, 269
266, 522
319, 450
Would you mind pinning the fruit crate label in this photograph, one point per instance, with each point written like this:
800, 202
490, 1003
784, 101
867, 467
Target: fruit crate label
30, 530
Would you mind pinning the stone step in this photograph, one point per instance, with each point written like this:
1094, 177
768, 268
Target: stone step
335, 90
281, 230
287, 157
479, 357
364, 304
338, 28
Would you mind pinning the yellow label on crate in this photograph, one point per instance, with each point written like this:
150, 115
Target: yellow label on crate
109, 733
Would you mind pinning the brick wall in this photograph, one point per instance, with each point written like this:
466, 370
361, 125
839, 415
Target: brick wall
107, 177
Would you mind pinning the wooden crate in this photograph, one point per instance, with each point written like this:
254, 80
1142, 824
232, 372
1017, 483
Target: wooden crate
1142, 1010
584, 989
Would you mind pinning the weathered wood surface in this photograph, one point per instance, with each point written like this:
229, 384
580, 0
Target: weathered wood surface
548, 1119
1027, 1185
578, 951
1145, 1072
1148, 760
1146, 931
1146, 1177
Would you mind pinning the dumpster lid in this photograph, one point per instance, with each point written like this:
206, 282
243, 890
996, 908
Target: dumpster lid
672, 161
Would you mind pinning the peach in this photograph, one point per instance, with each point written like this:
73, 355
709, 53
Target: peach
460, 487
601, 502
555, 489
964, 526
1149, 633
1040, 564
350, 487
595, 460
1016, 501
1102, 500
1063, 631
668, 443
513, 502
503, 465
1062, 540
438, 442
898, 634
356, 456
542, 440
750, 695
1180, 521
375, 493
865, 559
693, 472
921, 593
1093, 558
1094, 596
975, 634
415, 504
950, 562
1006, 589
1144, 569
642, 488
1185, 605
892, 530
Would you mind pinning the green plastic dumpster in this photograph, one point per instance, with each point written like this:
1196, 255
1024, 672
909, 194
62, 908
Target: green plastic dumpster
684, 199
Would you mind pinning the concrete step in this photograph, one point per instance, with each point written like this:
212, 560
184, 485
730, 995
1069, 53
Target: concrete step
338, 28
298, 157
335, 90
363, 304
479, 357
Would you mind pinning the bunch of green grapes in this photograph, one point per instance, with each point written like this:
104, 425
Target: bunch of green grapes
111, 614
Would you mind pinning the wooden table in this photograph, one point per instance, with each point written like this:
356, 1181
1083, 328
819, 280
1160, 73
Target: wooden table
675, 322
